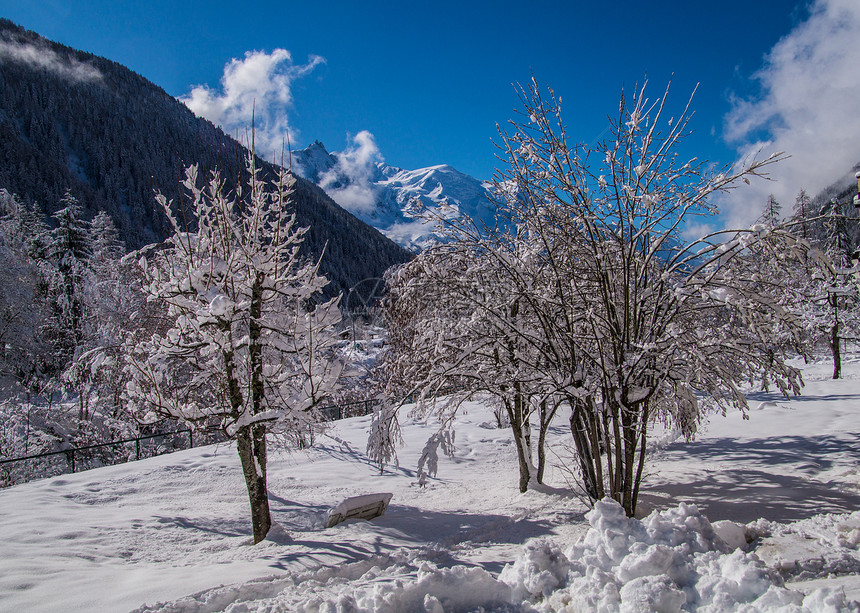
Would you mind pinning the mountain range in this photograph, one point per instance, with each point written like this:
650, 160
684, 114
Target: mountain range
70, 120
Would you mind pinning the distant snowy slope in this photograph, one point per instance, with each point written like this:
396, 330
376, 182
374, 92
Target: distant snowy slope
379, 194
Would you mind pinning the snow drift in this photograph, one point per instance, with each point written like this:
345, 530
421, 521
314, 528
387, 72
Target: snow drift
672, 560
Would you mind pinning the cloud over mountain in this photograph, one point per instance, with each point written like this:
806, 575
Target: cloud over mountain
41, 56
350, 182
258, 87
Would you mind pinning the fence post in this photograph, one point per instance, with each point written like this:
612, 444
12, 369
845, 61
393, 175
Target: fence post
137, 448
190, 438
72, 454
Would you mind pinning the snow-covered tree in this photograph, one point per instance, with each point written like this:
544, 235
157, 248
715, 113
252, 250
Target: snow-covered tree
24, 226
615, 312
105, 245
822, 290
471, 307
772, 213
110, 296
455, 306
69, 250
249, 348
650, 326
28, 355
837, 290
804, 215
23, 304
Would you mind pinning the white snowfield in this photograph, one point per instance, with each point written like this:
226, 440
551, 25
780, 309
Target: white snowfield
756, 515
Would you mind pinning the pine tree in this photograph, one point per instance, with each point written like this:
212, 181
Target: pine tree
37, 235
107, 299
803, 212
69, 250
24, 349
840, 286
105, 244
772, 213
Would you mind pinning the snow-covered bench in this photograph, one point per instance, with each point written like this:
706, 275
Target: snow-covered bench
366, 506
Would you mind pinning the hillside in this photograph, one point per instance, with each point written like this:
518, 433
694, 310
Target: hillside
72, 120
170, 534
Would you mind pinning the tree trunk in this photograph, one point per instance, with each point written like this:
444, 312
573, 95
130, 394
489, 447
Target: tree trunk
616, 478
589, 455
641, 462
834, 339
251, 443
541, 451
599, 449
515, 416
251, 440
630, 427
255, 350
525, 465
254, 453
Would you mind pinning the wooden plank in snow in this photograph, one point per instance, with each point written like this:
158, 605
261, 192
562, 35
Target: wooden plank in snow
366, 506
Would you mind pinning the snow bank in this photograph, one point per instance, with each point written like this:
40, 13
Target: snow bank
670, 561
434, 590
818, 547
382, 584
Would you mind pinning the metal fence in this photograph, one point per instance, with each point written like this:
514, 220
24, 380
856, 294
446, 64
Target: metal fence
350, 409
39, 466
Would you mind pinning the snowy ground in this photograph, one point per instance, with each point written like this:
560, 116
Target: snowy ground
171, 533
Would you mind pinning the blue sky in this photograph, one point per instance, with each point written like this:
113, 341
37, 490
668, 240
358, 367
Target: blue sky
430, 81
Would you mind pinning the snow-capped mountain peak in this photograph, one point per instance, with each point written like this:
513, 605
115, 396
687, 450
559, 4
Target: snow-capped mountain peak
313, 161
380, 194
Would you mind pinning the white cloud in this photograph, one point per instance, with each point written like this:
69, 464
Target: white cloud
809, 108
351, 181
43, 57
258, 86
693, 231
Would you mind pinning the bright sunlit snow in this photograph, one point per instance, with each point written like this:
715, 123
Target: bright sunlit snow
172, 533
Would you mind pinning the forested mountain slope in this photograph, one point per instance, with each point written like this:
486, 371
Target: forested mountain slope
72, 120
